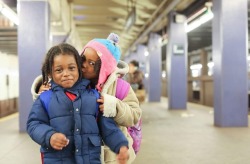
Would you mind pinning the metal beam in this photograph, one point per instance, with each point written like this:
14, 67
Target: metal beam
150, 28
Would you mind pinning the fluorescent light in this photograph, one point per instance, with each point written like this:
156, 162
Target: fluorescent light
9, 13
195, 66
163, 74
208, 15
195, 73
130, 19
197, 14
210, 64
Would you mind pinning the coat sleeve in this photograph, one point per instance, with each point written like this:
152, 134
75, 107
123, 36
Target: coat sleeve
35, 87
126, 112
38, 125
111, 134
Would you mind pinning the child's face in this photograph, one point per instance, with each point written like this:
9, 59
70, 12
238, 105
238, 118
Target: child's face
64, 70
132, 68
89, 64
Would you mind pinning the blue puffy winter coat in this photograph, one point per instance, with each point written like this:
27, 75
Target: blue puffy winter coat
77, 120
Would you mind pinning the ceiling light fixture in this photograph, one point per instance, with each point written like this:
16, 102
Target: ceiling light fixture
146, 53
200, 17
9, 13
131, 18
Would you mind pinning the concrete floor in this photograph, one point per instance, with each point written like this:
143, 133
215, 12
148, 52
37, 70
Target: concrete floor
169, 137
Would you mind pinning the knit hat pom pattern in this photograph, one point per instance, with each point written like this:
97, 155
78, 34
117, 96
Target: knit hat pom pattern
111, 45
114, 38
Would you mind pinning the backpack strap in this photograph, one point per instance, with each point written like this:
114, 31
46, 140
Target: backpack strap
122, 89
45, 99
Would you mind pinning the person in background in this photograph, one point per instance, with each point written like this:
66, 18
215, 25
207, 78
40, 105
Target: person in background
135, 78
101, 65
67, 126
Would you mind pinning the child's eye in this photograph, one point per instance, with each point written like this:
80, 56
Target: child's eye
72, 68
58, 70
92, 63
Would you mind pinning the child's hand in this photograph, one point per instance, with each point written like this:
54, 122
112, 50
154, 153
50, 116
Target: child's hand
123, 155
44, 88
101, 101
58, 141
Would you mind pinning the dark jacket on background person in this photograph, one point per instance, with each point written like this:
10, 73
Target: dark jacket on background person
78, 122
135, 79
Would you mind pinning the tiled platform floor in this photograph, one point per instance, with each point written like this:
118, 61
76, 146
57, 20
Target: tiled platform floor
169, 137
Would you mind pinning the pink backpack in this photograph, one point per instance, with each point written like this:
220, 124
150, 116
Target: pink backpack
122, 89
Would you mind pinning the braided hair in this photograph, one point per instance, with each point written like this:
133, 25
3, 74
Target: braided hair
60, 49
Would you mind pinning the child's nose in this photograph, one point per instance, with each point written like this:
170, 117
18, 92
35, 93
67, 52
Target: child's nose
84, 64
65, 73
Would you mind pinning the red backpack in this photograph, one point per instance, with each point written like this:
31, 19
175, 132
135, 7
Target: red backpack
122, 89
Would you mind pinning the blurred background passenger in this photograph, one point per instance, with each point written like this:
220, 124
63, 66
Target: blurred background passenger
135, 78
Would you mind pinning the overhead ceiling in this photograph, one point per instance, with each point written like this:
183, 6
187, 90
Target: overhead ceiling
8, 31
97, 18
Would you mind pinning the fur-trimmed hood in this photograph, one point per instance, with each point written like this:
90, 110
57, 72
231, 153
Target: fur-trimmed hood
36, 83
121, 70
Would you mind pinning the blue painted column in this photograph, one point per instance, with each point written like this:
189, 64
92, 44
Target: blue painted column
141, 50
33, 42
127, 58
230, 50
131, 56
176, 64
154, 68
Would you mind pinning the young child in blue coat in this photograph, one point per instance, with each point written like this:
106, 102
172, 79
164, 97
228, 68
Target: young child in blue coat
68, 128
101, 65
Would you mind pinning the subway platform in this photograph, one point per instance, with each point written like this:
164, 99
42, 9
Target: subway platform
169, 137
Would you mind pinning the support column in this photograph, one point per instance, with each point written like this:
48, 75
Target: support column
177, 64
141, 49
33, 42
230, 49
203, 56
131, 56
154, 68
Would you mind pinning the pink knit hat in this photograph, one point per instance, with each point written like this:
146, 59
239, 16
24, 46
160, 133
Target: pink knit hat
109, 53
